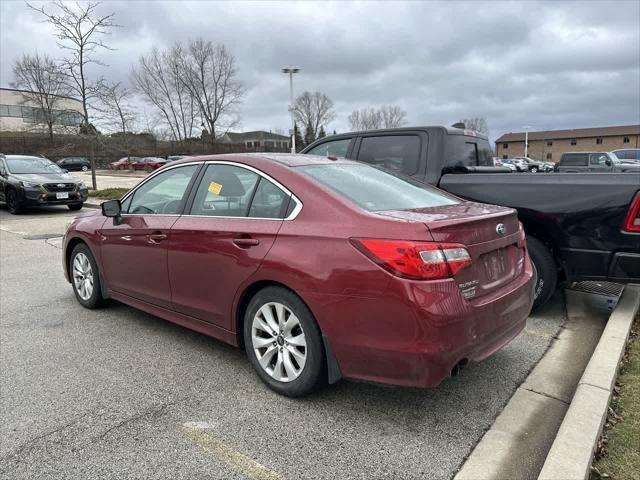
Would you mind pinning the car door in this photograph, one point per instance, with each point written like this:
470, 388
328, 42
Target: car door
598, 162
234, 218
134, 246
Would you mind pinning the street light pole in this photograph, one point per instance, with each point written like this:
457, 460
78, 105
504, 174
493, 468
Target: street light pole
526, 139
291, 71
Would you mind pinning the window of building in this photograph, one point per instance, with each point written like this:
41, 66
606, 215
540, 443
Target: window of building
505, 145
249, 144
549, 156
549, 143
625, 140
598, 141
504, 157
256, 143
574, 141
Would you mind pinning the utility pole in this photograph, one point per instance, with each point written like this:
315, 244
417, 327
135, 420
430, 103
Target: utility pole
291, 71
526, 139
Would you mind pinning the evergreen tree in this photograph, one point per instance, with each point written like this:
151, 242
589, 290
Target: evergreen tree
299, 139
308, 136
322, 133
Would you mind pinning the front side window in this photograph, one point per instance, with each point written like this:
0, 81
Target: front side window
337, 148
376, 190
398, 153
225, 191
598, 159
164, 194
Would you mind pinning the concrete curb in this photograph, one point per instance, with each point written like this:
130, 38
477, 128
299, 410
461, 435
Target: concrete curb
571, 454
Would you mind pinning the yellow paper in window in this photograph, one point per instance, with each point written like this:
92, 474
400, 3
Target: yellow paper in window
215, 188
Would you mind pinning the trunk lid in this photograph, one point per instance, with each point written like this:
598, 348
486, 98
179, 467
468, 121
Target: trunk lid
491, 235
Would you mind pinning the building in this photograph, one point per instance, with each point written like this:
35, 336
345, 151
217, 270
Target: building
550, 145
259, 140
19, 114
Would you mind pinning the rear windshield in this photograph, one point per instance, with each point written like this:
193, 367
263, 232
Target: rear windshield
376, 190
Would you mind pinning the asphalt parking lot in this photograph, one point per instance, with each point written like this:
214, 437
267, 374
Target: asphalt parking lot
117, 393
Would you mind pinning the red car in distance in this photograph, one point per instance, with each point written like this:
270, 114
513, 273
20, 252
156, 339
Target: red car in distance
123, 164
149, 164
319, 268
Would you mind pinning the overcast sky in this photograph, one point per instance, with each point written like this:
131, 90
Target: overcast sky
550, 65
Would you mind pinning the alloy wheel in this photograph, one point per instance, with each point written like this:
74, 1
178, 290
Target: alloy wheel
83, 276
279, 342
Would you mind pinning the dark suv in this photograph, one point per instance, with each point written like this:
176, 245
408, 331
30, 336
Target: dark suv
74, 164
34, 181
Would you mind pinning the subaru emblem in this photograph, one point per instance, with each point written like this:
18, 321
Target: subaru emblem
501, 229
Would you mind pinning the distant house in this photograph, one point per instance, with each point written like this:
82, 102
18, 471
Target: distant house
259, 140
550, 145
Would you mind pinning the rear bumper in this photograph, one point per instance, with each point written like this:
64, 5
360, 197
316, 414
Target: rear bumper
622, 266
418, 343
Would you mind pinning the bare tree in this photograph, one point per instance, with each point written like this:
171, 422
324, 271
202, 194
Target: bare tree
365, 119
370, 118
79, 29
159, 79
392, 116
114, 106
478, 124
209, 74
43, 82
313, 110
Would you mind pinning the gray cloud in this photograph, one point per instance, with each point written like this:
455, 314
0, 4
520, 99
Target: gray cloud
547, 64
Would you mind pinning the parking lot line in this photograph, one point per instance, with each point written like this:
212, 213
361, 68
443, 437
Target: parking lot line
198, 433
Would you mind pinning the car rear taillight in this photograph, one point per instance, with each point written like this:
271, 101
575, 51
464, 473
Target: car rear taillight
632, 223
415, 260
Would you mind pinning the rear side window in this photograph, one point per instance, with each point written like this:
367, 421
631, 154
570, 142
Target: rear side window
337, 148
376, 190
269, 201
398, 153
465, 151
574, 160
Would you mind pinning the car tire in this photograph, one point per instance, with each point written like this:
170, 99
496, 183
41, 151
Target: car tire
148, 169
546, 269
84, 275
75, 206
534, 170
290, 368
13, 202
85, 168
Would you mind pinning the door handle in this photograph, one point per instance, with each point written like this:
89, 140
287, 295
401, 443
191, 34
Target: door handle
156, 237
246, 242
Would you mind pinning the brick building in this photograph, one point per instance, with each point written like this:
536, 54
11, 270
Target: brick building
550, 145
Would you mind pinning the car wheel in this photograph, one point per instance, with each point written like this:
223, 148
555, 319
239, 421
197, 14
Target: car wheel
85, 278
283, 342
75, 206
547, 271
13, 203
534, 169
148, 169
85, 168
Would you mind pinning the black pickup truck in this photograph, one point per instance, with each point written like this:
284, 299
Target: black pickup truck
579, 226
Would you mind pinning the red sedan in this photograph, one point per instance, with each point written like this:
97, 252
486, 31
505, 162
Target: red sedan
149, 164
319, 268
123, 164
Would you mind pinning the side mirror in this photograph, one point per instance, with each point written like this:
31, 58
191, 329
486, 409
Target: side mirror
111, 208
607, 162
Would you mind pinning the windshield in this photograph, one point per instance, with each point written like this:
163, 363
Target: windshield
19, 165
376, 190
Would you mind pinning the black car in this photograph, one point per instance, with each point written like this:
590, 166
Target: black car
27, 181
74, 164
579, 226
